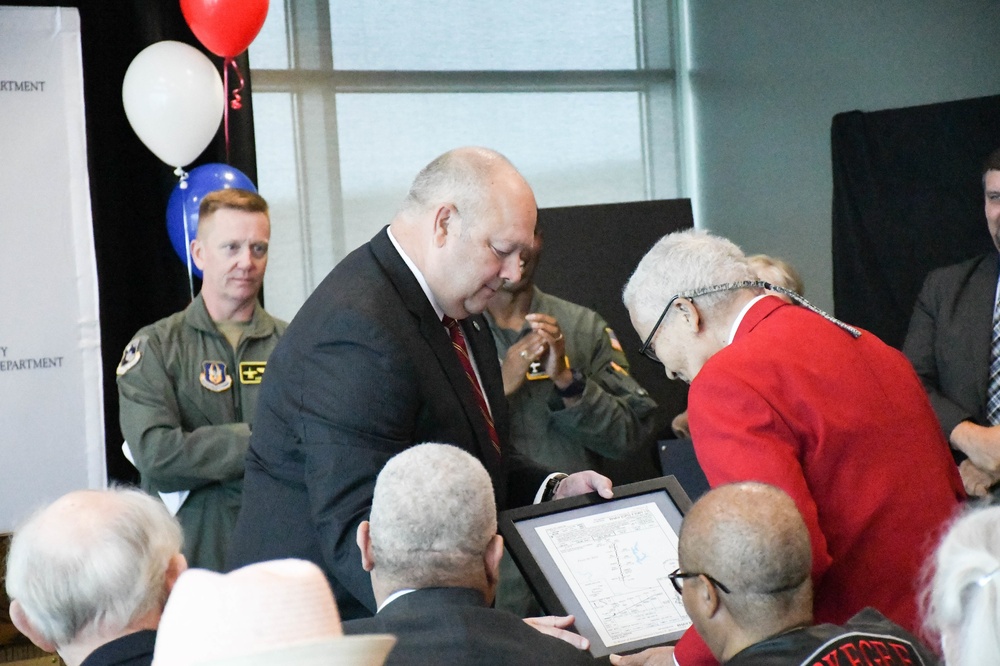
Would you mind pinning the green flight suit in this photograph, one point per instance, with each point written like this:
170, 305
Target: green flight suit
614, 418
187, 402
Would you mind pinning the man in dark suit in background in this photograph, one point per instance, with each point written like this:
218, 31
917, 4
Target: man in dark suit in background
949, 344
375, 362
434, 556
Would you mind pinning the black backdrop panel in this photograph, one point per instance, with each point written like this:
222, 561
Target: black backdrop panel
589, 254
907, 198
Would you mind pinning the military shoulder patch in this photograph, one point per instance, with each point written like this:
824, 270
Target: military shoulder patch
214, 376
131, 356
619, 368
617, 346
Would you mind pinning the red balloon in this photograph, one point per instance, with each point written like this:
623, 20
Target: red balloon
225, 27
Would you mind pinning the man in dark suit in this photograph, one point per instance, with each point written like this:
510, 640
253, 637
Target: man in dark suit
369, 368
434, 556
949, 342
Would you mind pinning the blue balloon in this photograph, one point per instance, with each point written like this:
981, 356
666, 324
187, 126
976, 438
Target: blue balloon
186, 197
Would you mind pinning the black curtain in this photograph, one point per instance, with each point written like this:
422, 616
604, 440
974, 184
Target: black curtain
589, 255
907, 198
140, 279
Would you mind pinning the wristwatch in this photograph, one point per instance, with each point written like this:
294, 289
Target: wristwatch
574, 388
552, 485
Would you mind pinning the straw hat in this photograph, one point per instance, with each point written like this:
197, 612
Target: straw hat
274, 613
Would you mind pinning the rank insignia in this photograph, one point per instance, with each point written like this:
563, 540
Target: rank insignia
617, 346
252, 372
130, 357
214, 376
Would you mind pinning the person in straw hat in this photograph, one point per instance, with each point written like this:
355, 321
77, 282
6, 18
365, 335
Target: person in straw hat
270, 613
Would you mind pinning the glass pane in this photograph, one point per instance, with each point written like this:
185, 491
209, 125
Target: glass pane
278, 183
574, 148
270, 48
474, 35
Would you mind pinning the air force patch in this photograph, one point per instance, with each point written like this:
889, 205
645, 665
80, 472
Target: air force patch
214, 376
131, 356
252, 372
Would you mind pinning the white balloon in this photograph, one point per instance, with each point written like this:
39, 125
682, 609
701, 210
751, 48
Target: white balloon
174, 100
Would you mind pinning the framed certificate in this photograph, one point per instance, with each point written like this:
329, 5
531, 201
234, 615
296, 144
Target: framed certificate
606, 562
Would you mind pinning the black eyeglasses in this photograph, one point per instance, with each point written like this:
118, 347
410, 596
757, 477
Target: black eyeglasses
647, 351
677, 576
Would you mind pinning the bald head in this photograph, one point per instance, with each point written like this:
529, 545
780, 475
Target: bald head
750, 537
92, 564
464, 223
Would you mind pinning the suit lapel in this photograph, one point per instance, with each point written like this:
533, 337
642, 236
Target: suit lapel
978, 318
436, 336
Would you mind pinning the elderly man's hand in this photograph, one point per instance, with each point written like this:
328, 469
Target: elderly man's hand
582, 483
657, 656
558, 626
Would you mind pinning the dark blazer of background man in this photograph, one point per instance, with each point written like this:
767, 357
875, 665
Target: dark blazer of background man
367, 369
949, 342
434, 556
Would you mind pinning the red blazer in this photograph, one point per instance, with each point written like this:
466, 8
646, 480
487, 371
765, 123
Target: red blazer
844, 426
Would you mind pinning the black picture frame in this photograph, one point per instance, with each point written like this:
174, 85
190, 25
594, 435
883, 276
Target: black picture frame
521, 527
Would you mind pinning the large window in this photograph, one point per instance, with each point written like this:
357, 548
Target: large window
352, 98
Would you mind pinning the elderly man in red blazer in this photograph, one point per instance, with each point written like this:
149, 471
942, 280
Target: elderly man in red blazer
789, 396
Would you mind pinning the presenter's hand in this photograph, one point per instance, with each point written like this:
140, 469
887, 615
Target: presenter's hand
558, 626
519, 358
977, 482
657, 656
582, 483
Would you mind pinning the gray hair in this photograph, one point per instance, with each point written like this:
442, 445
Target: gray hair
751, 537
461, 177
777, 271
681, 262
92, 562
433, 514
963, 599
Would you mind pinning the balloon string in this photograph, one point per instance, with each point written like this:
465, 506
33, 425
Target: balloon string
236, 102
187, 232
225, 108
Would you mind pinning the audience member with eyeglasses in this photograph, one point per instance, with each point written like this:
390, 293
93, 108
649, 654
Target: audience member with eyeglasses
751, 536
792, 397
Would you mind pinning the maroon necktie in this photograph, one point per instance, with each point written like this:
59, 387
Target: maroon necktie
462, 350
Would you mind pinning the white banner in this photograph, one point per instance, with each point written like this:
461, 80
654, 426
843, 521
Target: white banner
51, 406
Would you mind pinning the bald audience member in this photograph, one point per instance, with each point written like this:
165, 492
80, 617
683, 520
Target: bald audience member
745, 560
88, 576
434, 556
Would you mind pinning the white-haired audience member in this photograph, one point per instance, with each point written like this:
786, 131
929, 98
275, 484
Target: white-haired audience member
88, 576
434, 556
274, 613
787, 396
964, 595
744, 579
